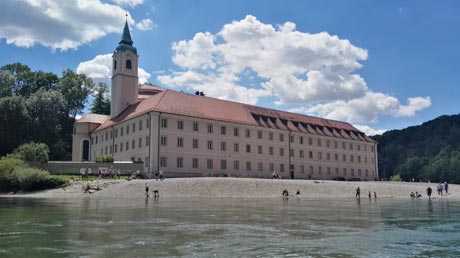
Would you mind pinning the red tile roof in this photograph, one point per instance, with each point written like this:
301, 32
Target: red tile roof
92, 118
179, 103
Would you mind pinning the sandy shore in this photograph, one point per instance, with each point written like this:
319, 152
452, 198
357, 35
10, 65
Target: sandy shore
243, 187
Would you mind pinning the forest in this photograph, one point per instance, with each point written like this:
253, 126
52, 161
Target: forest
37, 106
428, 152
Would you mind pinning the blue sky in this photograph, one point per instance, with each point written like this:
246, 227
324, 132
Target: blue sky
378, 65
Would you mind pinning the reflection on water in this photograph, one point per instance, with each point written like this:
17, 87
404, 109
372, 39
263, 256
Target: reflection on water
228, 227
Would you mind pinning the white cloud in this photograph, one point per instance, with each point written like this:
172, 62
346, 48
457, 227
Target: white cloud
316, 73
59, 25
130, 3
100, 69
369, 131
145, 24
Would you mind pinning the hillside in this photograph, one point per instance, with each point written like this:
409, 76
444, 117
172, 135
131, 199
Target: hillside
430, 151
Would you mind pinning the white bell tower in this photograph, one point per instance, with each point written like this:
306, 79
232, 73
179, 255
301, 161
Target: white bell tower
124, 74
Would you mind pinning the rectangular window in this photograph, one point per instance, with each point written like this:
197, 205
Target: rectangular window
291, 152
319, 142
111, 134
163, 161
358, 147
140, 143
311, 170
164, 123
310, 141
236, 132
302, 169
351, 146
270, 136
121, 131
336, 157
271, 167
328, 143
248, 148
351, 158
310, 154
248, 165
260, 166
133, 144
236, 147
223, 164
147, 140
180, 142
236, 165
336, 144
281, 137
121, 147
127, 129
180, 125
281, 152
301, 139
248, 133
96, 138
209, 145
259, 134
127, 145
106, 136
195, 163
320, 155
180, 162
134, 127
195, 143
210, 128
328, 171
365, 159
292, 139
320, 170
337, 171
270, 150
352, 172
140, 125
147, 123
223, 130
281, 167
163, 140
344, 158
116, 133
195, 127
343, 145
301, 155
328, 156
223, 146
344, 171
116, 148
259, 149
105, 150
209, 163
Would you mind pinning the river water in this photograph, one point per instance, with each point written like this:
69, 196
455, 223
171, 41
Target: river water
228, 227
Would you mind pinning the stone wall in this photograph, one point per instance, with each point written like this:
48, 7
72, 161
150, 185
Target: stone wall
76, 168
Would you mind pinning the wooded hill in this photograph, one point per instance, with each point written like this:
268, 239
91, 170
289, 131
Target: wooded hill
430, 151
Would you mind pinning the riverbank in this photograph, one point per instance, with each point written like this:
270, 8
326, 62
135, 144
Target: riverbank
240, 187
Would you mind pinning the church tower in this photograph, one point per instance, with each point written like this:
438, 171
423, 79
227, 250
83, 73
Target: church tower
124, 74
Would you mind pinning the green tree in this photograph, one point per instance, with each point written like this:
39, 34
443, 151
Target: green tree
101, 103
33, 152
14, 120
75, 88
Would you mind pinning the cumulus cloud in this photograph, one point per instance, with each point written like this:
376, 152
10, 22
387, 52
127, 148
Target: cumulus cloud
100, 69
316, 73
59, 25
130, 3
145, 24
369, 131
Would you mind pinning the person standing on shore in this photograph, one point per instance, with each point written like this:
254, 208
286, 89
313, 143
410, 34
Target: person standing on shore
428, 192
358, 192
146, 190
446, 188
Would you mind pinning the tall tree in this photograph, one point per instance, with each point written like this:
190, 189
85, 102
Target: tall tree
13, 123
101, 103
75, 88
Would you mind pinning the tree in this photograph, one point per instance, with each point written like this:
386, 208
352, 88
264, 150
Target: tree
33, 152
75, 88
14, 121
101, 103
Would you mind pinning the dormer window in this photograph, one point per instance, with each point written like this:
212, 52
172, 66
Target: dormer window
115, 65
128, 64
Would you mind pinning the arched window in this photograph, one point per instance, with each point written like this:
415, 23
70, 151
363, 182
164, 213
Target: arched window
128, 64
114, 64
85, 151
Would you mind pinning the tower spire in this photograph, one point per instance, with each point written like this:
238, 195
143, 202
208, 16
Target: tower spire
126, 43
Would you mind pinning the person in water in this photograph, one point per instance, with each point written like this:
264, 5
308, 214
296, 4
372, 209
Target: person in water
358, 192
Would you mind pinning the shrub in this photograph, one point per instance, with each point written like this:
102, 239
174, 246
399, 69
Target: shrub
33, 152
104, 159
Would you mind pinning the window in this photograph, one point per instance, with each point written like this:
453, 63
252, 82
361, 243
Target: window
343, 145
127, 129
209, 145
310, 141
365, 147
260, 166
319, 142
320, 155
236, 147
147, 123
121, 147
210, 128
336, 171
180, 142
302, 169
301, 155
163, 161
127, 145
351, 146
281, 137
259, 149
328, 143
121, 131
140, 125
236, 165
292, 138
291, 152
209, 163
180, 125
140, 143
328, 156
134, 127
164, 140
271, 167
367, 172
195, 127
223, 130
106, 136
359, 147
223, 164
312, 170
111, 134
164, 123
180, 162
281, 151
128, 64
336, 144
301, 139
248, 165
320, 170
133, 144
328, 171
344, 158
248, 133
359, 172
270, 136
96, 138
248, 148
195, 143
195, 163
352, 172
351, 158
310, 154
281, 167
147, 140
114, 64
365, 159
116, 148
344, 171
236, 132
259, 134
223, 146
270, 150
336, 157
